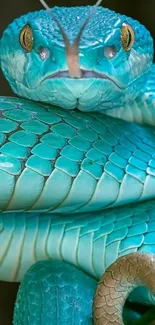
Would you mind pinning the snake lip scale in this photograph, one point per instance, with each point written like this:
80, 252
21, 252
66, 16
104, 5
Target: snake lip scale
85, 74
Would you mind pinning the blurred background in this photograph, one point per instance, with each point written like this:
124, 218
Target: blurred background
11, 9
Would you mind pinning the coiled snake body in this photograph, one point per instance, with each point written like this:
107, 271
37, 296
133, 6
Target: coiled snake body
77, 186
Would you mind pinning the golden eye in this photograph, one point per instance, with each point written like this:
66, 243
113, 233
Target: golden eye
26, 38
127, 36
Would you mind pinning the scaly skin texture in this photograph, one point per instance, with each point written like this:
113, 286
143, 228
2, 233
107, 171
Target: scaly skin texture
116, 284
63, 169
48, 148
59, 281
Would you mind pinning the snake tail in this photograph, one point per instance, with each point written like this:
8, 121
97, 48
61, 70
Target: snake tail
124, 275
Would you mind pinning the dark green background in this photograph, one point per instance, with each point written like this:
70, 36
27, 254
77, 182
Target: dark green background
142, 10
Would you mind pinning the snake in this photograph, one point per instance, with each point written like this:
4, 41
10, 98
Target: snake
77, 167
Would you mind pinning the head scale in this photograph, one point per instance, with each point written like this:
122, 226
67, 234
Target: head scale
72, 50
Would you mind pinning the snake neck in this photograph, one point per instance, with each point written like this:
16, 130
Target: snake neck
141, 109
43, 149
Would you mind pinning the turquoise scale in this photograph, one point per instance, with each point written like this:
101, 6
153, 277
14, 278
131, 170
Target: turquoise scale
91, 241
49, 155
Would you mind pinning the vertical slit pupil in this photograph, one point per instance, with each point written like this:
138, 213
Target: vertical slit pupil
24, 39
129, 38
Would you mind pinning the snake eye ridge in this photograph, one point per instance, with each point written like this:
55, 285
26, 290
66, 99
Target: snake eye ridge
127, 37
26, 38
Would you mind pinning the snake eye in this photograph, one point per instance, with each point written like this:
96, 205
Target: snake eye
127, 36
26, 38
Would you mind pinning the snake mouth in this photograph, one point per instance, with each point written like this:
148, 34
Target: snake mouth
85, 74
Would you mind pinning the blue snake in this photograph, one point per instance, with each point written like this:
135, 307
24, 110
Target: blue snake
77, 166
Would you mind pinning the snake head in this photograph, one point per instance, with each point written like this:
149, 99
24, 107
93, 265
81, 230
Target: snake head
115, 55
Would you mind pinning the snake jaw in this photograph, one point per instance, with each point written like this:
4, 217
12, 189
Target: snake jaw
85, 74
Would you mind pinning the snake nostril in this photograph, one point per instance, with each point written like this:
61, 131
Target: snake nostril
110, 52
44, 53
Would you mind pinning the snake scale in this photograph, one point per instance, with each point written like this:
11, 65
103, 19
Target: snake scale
77, 166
